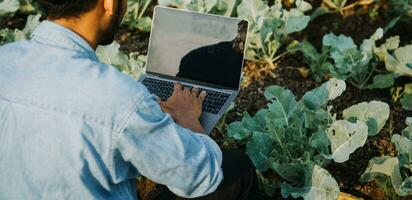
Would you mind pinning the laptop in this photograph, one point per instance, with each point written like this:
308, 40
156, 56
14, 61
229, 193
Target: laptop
198, 50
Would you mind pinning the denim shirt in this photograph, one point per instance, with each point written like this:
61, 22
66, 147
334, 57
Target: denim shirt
74, 128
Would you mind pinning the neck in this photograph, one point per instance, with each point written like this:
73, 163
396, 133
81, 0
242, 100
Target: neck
81, 26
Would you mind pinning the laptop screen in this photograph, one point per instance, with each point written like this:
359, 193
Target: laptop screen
197, 47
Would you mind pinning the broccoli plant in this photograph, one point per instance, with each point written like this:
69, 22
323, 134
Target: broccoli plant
220, 7
401, 10
296, 139
395, 170
7, 35
318, 61
270, 27
343, 59
398, 61
134, 15
350, 62
9, 7
132, 64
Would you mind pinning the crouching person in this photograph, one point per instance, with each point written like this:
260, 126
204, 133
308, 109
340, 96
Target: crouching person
74, 128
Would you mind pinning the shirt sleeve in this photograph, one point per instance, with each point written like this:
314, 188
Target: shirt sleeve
188, 163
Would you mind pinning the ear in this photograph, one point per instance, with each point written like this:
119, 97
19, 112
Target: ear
109, 6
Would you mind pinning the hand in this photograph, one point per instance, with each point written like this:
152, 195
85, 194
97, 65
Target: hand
185, 107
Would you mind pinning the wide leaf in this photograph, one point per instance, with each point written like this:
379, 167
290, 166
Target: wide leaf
9, 6
258, 149
345, 137
318, 97
374, 112
319, 185
380, 168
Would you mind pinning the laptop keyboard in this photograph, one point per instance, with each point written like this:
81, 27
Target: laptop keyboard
212, 104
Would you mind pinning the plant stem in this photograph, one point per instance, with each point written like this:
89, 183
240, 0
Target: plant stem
369, 75
280, 56
144, 8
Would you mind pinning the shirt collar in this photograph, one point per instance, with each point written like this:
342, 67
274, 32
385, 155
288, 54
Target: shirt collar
54, 34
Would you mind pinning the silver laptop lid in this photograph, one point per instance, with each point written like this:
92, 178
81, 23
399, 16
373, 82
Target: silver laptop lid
195, 47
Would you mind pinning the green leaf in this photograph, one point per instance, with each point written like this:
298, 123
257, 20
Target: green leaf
338, 43
8, 36
408, 88
382, 81
32, 22
380, 168
254, 11
9, 6
372, 127
295, 21
144, 24
283, 105
392, 43
403, 54
320, 142
319, 184
237, 131
376, 110
409, 121
258, 149
406, 102
290, 171
345, 137
318, 97
398, 62
303, 6
136, 64
132, 65
110, 54
404, 147
307, 49
260, 119
406, 186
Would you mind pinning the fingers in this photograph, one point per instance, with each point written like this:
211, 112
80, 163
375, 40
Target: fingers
177, 88
202, 97
195, 91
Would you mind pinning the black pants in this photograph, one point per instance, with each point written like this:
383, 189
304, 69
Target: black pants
239, 183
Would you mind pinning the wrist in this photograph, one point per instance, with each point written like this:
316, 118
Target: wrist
192, 124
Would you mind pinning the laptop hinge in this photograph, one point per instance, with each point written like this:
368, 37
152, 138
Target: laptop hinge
190, 82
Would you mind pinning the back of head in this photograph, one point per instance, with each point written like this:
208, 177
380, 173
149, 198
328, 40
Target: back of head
56, 9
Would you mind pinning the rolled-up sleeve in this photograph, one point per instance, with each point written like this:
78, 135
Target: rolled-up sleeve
188, 163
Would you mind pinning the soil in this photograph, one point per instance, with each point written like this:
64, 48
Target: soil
132, 41
13, 22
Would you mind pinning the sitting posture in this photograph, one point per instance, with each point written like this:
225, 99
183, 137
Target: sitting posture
74, 128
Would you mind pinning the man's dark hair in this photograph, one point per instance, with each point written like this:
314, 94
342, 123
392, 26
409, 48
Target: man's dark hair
56, 9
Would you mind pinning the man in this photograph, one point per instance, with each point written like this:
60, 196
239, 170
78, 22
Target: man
217, 63
74, 128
